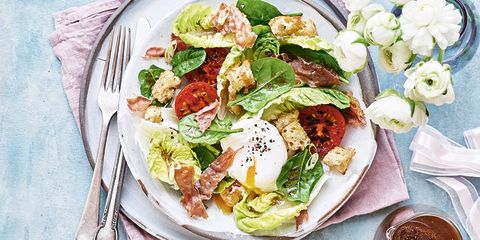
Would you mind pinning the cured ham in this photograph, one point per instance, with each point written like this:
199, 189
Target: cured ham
138, 104
300, 219
215, 172
228, 19
155, 52
314, 75
354, 115
205, 116
191, 199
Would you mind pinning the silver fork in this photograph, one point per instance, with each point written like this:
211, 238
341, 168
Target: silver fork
108, 98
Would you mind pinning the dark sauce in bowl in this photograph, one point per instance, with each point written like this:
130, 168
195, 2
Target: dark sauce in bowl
426, 227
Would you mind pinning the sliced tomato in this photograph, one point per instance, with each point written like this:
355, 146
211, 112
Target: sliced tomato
209, 70
325, 125
193, 98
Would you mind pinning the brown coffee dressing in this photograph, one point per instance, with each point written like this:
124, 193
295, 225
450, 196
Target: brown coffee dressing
426, 228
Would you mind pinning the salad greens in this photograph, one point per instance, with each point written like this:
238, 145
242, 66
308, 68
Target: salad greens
147, 78
169, 150
262, 214
298, 98
188, 60
208, 39
299, 176
274, 77
224, 184
219, 129
195, 17
206, 154
314, 43
260, 12
320, 57
267, 44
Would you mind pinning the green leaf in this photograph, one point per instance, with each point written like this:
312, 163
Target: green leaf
299, 176
193, 18
147, 78
260, 12
224, 184
205, 155
319, 57
274, 77
186, 61
267, 44
219, 129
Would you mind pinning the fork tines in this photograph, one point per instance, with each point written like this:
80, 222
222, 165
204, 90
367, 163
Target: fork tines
112, 71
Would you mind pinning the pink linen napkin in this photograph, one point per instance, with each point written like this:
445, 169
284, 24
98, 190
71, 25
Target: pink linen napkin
76, 31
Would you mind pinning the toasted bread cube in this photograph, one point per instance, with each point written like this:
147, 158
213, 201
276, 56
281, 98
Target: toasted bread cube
339, 158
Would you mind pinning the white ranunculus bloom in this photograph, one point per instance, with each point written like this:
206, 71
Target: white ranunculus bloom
426, 22
358, 19
356, 5
391, 111
400, 2
350, 50
396, 58
383, 29
430, 82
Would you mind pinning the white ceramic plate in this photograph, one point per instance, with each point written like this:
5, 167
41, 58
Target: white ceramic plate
333, 194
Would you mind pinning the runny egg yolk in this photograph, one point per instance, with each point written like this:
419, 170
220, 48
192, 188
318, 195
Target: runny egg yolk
250, 178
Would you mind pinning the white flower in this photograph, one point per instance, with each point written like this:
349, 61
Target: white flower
358, 19
383, 29
430, 82
396, 58
400, 2
350, 51
391, 111
355, 5
426, 22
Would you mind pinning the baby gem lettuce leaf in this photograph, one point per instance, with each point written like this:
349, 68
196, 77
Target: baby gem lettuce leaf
267, 44
299, 176
186, 61
147, 78
274, 77
259, 12
219, 129
319, 57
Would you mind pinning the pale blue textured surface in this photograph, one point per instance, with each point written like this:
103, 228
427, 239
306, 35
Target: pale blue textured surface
43, 168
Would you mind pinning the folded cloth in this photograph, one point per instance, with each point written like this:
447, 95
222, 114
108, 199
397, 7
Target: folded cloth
76, 31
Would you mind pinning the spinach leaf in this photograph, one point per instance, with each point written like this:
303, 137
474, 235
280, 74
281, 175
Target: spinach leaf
319, 57
219, 129
260, 12
299, 176
206, 154
266, 44
185, 61
147, 78
274, 77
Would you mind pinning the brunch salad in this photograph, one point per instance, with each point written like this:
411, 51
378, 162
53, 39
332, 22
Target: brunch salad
250, 115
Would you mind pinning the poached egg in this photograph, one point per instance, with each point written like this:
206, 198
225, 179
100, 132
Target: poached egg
261, 153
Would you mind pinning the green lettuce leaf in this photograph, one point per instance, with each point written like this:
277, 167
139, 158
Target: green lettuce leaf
188, 60
168, 151
208, 39
269, 217
206, 154
195, 17
147, 78
314, 43
259, 12
224, 184
299, 176
267, 44
219, 129
274, 77
301, 97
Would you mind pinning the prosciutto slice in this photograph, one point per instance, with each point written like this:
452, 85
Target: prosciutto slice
138, 104
191, 199
314, 75
155, 52
215, 172
300, 219
205, 116
228, 19
354, 114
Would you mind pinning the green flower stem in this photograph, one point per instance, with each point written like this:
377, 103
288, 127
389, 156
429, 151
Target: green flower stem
441, 53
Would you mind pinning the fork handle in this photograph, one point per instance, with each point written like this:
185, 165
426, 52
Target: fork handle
89, 220
108, 228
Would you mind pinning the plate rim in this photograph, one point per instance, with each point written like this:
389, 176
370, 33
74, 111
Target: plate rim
338, 22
